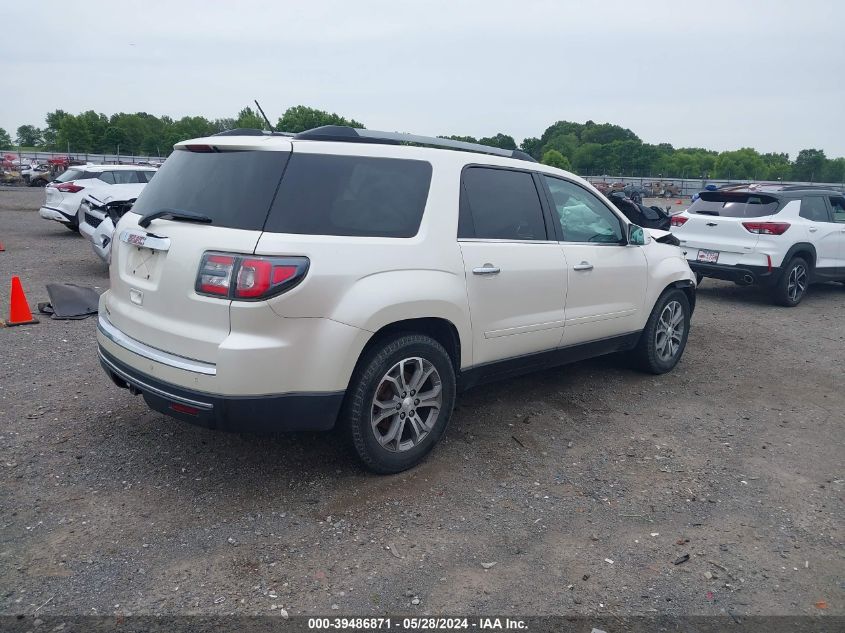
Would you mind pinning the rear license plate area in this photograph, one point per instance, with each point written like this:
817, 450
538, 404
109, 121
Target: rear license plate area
708, 257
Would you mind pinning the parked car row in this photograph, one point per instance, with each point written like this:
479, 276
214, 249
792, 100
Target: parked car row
336, 278
90, 199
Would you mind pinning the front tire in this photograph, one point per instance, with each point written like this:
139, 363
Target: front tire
399, 402
664, 338
793, 283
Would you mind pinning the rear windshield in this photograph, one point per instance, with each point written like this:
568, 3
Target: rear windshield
233, 188
734, 204
75, 174
350, 195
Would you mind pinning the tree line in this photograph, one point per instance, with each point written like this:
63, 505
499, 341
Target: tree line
586, 148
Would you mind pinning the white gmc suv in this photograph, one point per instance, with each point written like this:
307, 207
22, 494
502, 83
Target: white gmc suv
781, 237
357, 278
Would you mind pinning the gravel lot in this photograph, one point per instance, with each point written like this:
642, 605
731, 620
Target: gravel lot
572, 491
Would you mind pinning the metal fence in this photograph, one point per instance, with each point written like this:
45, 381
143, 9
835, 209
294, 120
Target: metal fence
105, 159
690, 186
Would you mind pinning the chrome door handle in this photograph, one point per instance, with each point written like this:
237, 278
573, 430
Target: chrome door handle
813, 229
486, 269
583, 266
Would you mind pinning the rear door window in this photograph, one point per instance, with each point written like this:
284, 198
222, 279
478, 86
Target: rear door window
127, 177
75, 174
356, 196
233, 188
738, 204
501, 204
814, 209
837, 203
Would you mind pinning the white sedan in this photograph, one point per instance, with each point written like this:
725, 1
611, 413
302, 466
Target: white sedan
65, 194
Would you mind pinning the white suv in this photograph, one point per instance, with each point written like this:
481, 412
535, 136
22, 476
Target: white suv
781, 237
65, 193
342, 278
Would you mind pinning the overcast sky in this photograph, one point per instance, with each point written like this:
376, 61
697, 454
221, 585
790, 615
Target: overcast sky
720, 75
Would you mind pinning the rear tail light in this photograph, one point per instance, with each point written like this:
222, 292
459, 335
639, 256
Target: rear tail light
69, 187
248, 277
766, 228
678, 220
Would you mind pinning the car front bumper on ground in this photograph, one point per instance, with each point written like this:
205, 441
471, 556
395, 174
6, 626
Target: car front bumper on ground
741, 274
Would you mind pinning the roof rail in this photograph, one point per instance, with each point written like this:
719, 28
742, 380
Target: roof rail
347, 134
249, 131
808, 188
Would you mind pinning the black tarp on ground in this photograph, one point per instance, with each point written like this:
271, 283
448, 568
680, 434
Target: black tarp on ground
69, 301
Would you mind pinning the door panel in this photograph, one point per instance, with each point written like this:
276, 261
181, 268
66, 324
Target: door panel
822, 233
607, 299
520, 309
837, 204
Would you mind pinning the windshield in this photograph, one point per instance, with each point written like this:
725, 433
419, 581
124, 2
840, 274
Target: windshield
233, 188
73, 174
734, 204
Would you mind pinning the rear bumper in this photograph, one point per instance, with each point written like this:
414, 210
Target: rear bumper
741, 274
252, 414
51, 213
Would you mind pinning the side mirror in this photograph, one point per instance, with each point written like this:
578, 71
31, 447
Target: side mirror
636, 235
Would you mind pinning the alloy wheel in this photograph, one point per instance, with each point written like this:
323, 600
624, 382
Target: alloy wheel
406, 404
670, 331
797, 283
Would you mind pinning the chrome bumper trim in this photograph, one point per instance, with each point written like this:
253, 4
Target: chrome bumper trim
151, 353
142, 386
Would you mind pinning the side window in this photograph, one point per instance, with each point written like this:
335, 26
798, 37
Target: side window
814, 209
350, 195
145, 176
838, 206
107, 176
502, 204
127, 177
583, 217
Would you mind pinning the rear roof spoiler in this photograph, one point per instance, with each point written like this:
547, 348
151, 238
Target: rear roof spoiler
248, 131
347, 134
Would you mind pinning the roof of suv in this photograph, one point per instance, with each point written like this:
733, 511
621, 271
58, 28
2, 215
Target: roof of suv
781, 190
99, 168
346, 134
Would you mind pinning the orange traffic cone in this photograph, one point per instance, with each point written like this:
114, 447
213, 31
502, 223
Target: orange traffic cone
19, 313
678, 202
2, 248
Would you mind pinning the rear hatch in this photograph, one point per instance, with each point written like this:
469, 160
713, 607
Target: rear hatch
712, 229
154, 268
56, 195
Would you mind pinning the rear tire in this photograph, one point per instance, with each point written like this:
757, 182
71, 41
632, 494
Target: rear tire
664, 338
793, 283
390, 439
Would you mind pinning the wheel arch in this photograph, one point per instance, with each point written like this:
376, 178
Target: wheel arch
441, 330
801, 248
688, 288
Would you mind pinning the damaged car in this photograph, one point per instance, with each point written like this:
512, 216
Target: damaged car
98, 214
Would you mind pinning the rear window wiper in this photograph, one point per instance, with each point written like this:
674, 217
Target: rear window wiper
174, 214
